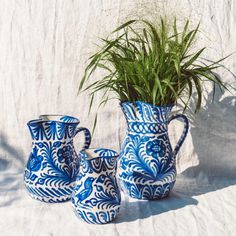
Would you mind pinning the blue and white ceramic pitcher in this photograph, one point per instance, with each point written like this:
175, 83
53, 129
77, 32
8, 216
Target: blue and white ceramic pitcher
96, 196
53, 163
147, 167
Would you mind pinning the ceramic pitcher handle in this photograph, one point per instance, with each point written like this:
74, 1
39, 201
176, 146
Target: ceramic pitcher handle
184, 133
87, 136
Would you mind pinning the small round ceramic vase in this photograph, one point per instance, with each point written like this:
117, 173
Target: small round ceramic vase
147, 166
96, 196
53, 164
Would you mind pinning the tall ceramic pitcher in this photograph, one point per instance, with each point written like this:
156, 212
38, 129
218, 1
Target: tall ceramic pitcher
147, 167
53, 164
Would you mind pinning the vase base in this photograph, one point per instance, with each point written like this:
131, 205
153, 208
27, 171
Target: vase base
99, 217
50, 195
155, 191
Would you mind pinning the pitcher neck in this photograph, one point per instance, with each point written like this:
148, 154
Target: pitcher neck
42, 130
99, 160
145, 112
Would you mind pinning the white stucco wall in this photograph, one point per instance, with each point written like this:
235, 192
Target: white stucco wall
44, 46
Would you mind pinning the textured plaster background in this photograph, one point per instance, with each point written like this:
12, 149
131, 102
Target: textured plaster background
44, 47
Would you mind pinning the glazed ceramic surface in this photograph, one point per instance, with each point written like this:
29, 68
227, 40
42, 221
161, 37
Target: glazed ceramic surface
53, 163
147, 168
96, 196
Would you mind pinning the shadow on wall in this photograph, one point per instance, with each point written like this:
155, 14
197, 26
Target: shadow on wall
11, 171
15, 156
214, 138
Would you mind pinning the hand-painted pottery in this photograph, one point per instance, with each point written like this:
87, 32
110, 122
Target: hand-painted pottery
53, 164
146, 167
96, 196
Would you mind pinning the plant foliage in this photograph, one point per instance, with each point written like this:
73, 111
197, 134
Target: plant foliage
151, 63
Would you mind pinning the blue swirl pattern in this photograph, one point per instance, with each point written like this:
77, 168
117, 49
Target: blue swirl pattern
96, 196
146, 167
53, 164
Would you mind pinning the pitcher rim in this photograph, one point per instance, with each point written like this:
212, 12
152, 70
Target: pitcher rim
94, 157
150, 104
40, 120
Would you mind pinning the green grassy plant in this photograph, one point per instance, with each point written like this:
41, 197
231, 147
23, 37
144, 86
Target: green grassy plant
151, 63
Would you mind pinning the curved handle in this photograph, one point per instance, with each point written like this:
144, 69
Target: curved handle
87, 136
184, 133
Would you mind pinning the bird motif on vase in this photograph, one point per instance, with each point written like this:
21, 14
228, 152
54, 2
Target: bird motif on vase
87, 190
35, 160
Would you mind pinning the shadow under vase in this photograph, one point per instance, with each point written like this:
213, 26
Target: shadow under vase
132, 210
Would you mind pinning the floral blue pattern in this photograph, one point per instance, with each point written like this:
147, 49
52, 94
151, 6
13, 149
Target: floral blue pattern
146, 167
96, 196
53, 164
65, 154
156, 148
